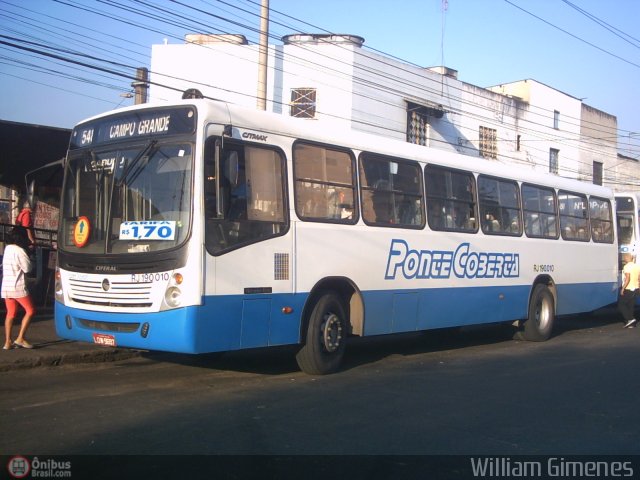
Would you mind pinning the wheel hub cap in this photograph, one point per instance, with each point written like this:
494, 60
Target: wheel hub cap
331, 332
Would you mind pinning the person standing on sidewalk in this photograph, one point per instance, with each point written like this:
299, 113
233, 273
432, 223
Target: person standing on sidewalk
15, 265
629, 289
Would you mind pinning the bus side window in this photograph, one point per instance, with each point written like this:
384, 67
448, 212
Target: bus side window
324, 184
499, 202
601, 215
540, 211
391, 191
451, 199
574, 220
251, 190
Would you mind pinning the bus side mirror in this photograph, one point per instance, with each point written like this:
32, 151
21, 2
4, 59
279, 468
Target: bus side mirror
31, 198
232, 169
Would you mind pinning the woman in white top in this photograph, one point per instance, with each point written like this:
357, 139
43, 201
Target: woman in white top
15, 265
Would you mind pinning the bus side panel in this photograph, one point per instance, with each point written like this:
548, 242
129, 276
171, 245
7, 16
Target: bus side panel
449, 307
585, 297
245, 292
232, 322
442, 307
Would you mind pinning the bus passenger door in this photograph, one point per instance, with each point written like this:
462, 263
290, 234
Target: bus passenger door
249, 249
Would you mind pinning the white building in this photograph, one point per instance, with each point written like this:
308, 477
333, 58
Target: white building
317, 77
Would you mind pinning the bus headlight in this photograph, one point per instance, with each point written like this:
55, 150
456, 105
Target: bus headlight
59, 294
173, 296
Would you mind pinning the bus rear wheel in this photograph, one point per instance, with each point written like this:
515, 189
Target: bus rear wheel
539, 323
325, 338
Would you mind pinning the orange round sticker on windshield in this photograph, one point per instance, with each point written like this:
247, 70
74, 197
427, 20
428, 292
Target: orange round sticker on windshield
81, 232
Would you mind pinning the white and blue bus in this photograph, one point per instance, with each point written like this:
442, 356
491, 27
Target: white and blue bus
205, 227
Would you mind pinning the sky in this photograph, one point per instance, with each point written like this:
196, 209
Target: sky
65, 60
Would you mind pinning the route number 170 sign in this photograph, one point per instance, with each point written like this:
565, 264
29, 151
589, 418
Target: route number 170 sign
148, 230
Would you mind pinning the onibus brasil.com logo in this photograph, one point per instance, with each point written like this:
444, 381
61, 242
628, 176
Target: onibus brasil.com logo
20, 467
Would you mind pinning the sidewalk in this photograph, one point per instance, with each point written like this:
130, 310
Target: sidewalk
50, 350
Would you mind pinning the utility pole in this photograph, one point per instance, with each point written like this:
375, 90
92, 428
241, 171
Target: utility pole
141, 85
263, 51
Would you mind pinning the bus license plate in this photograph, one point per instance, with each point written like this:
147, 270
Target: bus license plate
104, 339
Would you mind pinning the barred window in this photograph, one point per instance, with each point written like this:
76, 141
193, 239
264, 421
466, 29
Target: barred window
553, 161
418, 128
419, 118
488, 142
303, 102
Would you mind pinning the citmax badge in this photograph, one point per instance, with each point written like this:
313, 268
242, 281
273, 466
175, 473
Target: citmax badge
81, 232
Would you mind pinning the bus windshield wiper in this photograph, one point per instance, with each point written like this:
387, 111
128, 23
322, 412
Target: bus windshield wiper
129, 168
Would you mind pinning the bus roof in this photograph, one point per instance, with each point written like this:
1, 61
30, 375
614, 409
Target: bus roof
332, 132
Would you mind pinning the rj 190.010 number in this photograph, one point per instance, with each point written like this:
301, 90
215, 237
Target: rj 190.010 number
149, 277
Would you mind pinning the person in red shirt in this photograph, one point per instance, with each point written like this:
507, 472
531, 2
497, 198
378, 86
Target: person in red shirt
25, 219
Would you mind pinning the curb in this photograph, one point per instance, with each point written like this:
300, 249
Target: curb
69, 358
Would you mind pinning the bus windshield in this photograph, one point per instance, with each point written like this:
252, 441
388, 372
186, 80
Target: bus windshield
129, 199
625, 228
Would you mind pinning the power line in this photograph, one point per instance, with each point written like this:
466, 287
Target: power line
146, 14
181, 24
617, 32
574, 36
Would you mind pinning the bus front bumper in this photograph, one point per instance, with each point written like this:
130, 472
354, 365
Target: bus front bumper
171, 330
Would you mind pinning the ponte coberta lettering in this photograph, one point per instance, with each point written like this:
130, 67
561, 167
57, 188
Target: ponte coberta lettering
461, 262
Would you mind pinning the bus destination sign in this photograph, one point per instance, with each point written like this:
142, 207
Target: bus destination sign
125, 126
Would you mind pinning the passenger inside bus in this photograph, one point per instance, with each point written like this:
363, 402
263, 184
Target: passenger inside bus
490, 223
382, 206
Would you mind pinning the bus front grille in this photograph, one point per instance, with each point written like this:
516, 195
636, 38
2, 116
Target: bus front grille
111, 294
110, 326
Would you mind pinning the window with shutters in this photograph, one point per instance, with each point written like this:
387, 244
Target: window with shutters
303, 102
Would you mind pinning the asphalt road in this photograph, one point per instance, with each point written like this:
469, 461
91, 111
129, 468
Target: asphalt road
470, 392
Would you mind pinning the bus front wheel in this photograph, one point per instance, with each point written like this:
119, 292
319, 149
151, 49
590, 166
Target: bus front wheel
325, 337
539, 323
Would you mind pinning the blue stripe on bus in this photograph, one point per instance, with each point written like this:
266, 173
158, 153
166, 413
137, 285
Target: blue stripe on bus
392, 311
585, 297
236, 322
